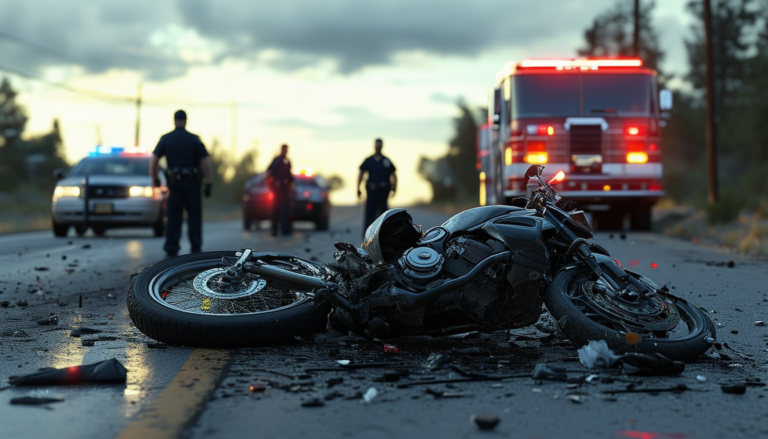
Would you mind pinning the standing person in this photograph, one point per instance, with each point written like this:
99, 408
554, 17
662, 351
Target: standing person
186, 156
282, 187
381, 181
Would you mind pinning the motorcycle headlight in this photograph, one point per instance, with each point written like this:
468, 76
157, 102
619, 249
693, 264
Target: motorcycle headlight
141, 191
66, 191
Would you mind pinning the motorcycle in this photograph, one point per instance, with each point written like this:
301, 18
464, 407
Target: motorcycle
485, 269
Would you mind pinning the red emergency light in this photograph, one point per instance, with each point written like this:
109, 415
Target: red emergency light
580, 63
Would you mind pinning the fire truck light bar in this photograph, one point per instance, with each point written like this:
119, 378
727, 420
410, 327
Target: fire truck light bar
581, 63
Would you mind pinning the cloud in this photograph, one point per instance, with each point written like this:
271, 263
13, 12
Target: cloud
163, 39
361, 124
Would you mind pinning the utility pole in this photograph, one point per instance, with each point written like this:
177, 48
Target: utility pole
138, 116
98, 135
711, 128
637, 29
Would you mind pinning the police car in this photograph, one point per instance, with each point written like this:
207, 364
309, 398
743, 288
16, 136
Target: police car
115, 186
309, 202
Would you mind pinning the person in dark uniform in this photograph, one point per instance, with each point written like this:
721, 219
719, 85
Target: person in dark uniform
382, 181
279, 172
187, 158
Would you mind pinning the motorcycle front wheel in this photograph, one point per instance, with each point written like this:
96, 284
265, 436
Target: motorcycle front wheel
583, 317
191, 300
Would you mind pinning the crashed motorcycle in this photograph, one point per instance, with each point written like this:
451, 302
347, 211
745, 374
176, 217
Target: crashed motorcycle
485, 269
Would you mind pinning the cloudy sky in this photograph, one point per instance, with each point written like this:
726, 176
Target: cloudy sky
326, 77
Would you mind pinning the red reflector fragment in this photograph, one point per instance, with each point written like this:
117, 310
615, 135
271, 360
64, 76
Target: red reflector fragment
654, 265
391, 349
165, 294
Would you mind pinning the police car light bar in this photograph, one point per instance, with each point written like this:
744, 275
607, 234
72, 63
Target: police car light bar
116, 151
581, 63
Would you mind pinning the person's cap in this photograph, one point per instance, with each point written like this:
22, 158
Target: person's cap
180, 115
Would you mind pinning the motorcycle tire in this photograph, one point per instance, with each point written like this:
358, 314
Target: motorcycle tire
580, 328
156, 317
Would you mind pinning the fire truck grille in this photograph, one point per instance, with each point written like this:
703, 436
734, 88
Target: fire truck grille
586, 139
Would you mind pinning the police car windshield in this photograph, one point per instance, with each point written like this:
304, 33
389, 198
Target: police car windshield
111, 166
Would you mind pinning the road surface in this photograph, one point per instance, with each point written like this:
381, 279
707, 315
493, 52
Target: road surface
181, 391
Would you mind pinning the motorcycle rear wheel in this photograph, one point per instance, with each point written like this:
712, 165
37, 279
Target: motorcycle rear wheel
181, 301
691, 338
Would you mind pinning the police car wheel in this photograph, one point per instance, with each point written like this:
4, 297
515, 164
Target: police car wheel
186, 301
59, 230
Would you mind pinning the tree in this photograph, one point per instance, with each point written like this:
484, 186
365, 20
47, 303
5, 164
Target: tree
454, 177
612, 34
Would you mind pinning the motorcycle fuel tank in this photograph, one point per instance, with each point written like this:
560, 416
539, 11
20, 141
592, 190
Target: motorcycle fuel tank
390, 235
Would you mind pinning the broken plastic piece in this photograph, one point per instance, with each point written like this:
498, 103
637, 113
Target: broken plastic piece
650, 364
544, 372
438, 361
484, 422
597, 354
370, 394
52, 320
701, 378
313, 402
391, 349
633, 338
109, 371
257, 387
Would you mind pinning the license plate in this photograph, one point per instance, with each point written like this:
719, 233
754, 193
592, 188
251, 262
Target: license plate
103, 208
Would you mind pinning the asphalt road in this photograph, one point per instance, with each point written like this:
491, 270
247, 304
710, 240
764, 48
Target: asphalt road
51, 275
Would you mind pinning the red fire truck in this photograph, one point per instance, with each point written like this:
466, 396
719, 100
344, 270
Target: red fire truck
596, 119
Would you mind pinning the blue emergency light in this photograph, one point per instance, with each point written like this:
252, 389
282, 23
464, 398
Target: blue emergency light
116, 151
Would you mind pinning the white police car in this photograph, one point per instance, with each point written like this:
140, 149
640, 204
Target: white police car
114, 184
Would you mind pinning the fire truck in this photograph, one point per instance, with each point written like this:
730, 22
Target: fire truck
596, 119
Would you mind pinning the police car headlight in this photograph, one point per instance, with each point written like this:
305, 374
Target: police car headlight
141, 191
66, 191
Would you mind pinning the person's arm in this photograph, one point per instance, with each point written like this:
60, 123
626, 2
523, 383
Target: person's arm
153, 166
393, 181
205, 165
359, 181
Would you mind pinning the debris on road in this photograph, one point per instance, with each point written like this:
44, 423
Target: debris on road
22, 303
597, 354
734, 389
52, 320
701, 378
84, 331
391, 349
484, 422
438, 361
41, 268
369, 395
34, 400
313, 402
542, 371
257, 387
108, 371
632, 389
759, 323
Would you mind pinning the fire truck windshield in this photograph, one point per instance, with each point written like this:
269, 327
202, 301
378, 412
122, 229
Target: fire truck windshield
604, 95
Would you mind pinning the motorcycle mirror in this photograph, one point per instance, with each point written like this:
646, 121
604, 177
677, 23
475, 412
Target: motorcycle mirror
560, 176
532, 171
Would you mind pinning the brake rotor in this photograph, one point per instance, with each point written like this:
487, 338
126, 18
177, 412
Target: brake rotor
653, 312
216, 283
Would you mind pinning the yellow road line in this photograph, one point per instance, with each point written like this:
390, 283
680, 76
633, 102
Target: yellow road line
183, 400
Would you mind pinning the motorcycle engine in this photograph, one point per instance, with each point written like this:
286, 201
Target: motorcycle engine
421, 264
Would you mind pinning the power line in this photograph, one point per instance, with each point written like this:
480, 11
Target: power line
91, 94
37, 48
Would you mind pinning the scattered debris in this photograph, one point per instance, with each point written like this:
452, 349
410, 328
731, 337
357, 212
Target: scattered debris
473, 351
484, 422
86, 246
34, 400
109, 371
759, 323
84, 331
734, 389
41, 268
576, 399
22, 303
701, 378
553, 373
257, 387
5, 304
391, 349
597, 354
370, 394
731, 264
313, 402
52, 320
334, 381
438, 361
87, 342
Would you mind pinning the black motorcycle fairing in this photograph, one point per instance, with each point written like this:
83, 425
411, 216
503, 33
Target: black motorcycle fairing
390, 235
474, 217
